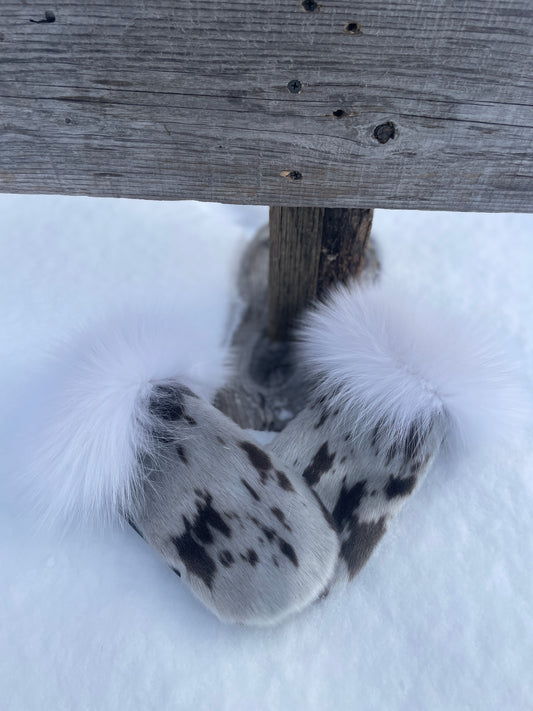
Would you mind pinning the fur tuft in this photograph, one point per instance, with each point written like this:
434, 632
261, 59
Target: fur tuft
97, 419
389, 363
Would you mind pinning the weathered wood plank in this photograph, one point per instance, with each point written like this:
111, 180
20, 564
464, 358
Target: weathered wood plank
310, 249
295, 245
200, 99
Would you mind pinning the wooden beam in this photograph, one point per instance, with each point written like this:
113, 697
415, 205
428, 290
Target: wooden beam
419, 104
310, 249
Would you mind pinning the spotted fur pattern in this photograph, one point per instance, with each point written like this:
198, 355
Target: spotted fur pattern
360, 477
230, 519
259, 533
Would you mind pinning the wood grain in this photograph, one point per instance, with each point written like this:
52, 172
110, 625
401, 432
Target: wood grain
421, 104
295, 243
345, 235
310, 249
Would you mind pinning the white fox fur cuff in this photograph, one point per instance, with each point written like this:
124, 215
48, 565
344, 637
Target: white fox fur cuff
382, 359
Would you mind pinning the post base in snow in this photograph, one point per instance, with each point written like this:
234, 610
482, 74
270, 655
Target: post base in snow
266, 391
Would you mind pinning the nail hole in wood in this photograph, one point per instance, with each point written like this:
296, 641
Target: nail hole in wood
295, 86
339, 113
353, 28
291, 174
384, 132
310, 5
49, 16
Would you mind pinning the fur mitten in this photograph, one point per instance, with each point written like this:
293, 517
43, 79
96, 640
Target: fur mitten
132, 436
395, 386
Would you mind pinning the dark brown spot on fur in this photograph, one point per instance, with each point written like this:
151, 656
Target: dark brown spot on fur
206, 519
283, 481
322, 419
251, 557
415, 441
325, 512
226, 558
194, 556
166, 402
347, 503
270, 534
162, 436
391, 453
288, 551
252, 491
275, 561
363, 538
376, 433
320, 464
190, 420
177, 572
319, 402
222, 441
399, 487
181, 454
278, 513
259, 459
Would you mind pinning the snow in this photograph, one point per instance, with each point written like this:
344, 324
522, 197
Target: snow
440, 618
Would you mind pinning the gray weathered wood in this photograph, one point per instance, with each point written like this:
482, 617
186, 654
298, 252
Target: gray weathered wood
417, 104
295, 243
345, 235
310, 248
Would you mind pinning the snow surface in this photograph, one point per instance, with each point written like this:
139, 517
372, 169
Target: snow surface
440, 618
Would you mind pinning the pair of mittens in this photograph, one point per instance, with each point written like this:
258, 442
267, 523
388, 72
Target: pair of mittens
259, 533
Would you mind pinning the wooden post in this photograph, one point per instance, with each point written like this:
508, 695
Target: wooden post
311, 248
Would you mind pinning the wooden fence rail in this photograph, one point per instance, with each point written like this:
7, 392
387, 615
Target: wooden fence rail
424, 104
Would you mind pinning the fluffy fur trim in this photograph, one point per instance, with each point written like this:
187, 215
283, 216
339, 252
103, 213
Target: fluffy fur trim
388, 362
96, 421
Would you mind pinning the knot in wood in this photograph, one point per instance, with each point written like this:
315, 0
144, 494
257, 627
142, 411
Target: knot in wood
353, 28
384, 132
49, 16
